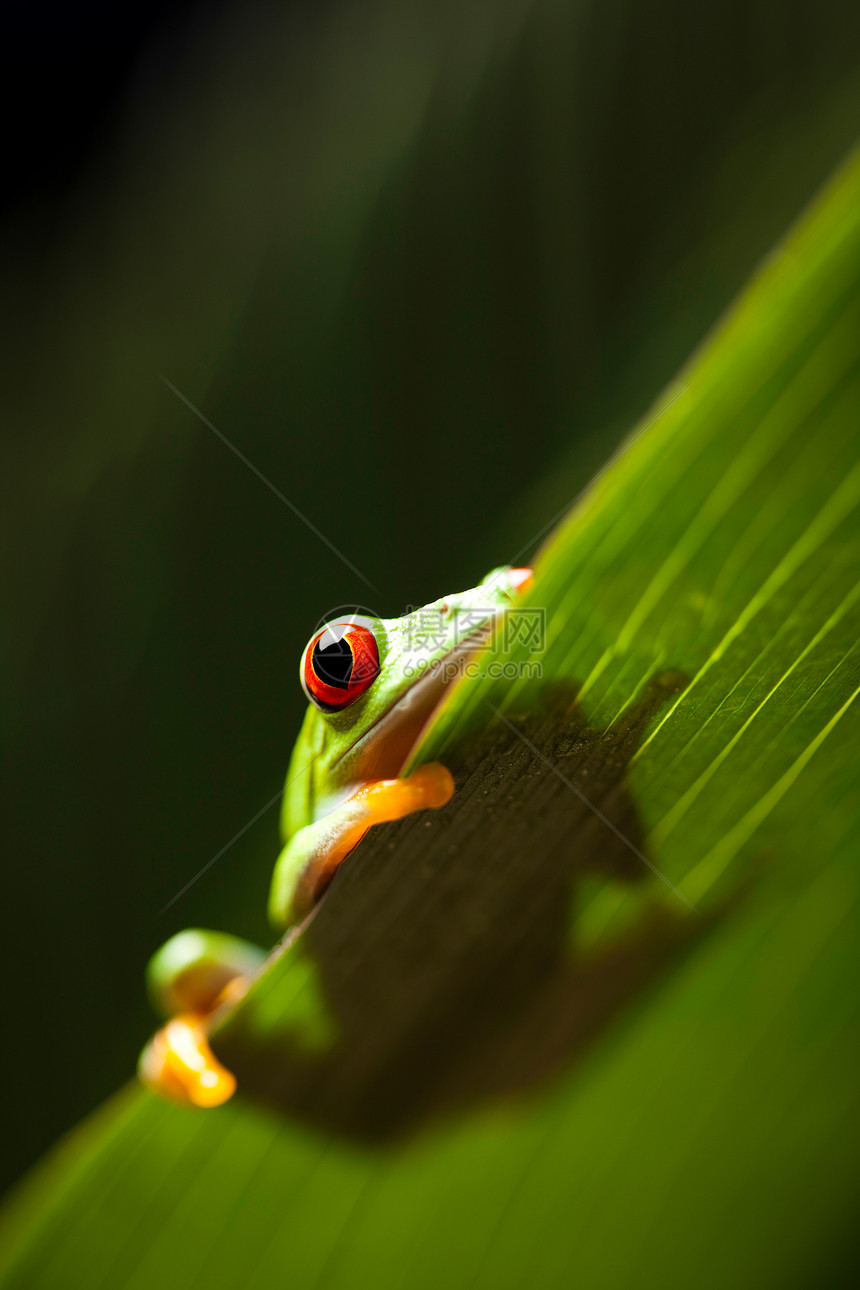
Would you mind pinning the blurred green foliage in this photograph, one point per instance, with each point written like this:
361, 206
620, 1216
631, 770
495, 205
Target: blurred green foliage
424, 265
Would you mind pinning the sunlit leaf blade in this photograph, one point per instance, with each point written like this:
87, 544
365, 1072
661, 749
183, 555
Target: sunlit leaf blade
711, 1139
724, 543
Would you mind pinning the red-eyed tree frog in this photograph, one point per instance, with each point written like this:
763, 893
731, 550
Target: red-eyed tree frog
373, 685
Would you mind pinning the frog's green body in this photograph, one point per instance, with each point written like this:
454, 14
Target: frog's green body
337, 753
343, 773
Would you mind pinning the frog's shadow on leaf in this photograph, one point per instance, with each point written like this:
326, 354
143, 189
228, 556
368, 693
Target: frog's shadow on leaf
445, 953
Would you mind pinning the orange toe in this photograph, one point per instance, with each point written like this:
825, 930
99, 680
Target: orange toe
179, 1064
430, 786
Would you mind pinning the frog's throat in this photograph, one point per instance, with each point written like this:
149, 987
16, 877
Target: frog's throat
386, 746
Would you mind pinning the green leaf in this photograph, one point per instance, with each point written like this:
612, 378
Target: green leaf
702, 605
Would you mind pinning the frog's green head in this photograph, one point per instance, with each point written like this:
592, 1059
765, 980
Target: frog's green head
374, 683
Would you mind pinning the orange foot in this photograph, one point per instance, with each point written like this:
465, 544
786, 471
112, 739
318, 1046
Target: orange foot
378, 802
179, 1064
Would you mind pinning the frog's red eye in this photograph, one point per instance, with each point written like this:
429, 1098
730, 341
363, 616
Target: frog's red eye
339, 663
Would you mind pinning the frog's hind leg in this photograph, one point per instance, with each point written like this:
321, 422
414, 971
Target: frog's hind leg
188, 978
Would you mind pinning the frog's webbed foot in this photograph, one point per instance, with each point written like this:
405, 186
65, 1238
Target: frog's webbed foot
310, 859
179, 1064
191, 976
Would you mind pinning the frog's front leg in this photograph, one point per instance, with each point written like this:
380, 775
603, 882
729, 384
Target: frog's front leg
192, 974
310, 859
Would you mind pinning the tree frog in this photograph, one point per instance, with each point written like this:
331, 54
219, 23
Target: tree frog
373, 685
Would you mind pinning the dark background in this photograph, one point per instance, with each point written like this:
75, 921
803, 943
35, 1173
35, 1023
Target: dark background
424, 265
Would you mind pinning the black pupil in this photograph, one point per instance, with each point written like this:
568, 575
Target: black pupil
333, 665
